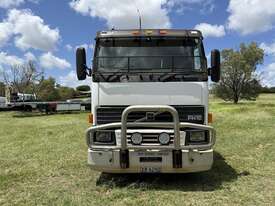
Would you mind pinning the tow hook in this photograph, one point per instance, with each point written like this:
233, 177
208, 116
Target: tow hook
124, 159
177, 159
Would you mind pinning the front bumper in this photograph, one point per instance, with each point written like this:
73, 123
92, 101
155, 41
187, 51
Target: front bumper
127, 158
109, 161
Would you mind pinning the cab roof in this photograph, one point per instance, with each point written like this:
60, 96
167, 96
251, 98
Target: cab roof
150, 32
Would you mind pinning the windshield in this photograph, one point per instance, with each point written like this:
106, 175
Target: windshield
149, 54
149, 59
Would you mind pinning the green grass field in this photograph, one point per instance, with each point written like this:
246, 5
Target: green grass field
43, 162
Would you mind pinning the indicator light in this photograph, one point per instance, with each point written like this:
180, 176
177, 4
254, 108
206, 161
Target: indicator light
90, 118
210, 118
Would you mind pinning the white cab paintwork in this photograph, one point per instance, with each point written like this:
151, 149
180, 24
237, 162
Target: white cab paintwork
150, 93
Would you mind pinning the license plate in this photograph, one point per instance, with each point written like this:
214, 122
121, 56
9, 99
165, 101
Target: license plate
152, 154
150, 169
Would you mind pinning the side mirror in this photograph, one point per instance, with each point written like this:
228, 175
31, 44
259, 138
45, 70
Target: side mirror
81, 63
215, 71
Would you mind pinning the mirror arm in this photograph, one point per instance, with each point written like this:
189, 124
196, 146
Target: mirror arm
209, 71
88, 70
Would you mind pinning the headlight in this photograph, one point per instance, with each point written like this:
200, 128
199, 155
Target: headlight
104, 137
164, 138
136, 138
197, 137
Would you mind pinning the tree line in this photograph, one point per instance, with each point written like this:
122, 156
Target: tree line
29, 79
49, 90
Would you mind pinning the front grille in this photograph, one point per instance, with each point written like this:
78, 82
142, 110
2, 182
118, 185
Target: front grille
150, 139
110, 114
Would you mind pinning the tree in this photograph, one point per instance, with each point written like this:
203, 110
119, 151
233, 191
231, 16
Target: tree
47, 90
21, 77
268, 90
65, 93
238, 79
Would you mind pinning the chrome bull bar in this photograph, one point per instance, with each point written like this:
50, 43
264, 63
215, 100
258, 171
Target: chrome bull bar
177, 154
146, 108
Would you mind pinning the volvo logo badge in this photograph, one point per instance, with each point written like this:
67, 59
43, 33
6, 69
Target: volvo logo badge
150, 116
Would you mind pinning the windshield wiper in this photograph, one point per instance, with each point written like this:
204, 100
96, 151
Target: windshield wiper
112, 77
99, 74
165, 77
115, 76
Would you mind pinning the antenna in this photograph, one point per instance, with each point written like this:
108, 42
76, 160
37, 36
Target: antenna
139, 15
139, 19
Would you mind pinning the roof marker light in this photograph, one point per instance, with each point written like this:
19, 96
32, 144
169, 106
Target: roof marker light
136, 32
162, 32
148, 32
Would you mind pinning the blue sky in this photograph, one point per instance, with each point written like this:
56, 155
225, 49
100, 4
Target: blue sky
48, 31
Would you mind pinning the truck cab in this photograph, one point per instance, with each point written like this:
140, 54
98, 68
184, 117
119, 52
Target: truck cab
149, 101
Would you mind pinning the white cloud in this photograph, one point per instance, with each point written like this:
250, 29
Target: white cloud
30, 56
32, 32
122, 14
12, 60
180, 6
251, 16
268, 75
70, 80
269, 49
10, 3
13, 3
49, 61
268, 72
69, 47
9, 60
209, 30
29, 30
5, 33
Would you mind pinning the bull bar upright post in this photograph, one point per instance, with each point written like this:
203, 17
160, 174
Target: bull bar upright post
124, 152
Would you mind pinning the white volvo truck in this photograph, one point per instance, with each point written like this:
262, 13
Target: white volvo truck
149, 101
